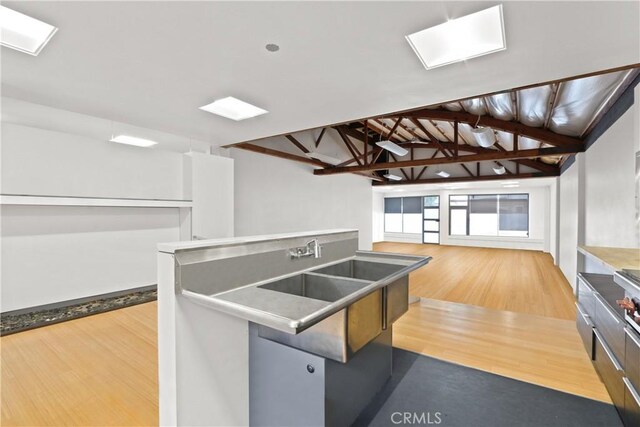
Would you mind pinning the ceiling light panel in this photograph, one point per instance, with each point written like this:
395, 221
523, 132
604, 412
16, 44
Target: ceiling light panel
132, 140
444, 174
467, 37
23, 33
393, 177
234, 109
394, 148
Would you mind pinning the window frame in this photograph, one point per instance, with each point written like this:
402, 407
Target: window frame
468, 216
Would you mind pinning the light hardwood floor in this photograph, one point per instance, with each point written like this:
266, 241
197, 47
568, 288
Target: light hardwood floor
501, 279
102, 369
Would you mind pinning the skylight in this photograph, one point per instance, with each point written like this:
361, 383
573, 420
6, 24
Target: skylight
233, 109
23, 33
467, 37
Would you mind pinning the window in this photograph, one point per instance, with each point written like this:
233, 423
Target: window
412, 215
489, 215
393, 215
403, 215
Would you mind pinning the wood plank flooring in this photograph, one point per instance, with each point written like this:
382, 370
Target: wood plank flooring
97, 370
102, 369
501, 279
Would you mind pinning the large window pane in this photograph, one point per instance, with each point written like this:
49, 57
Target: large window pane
411, 205
514, 215
393, 223
484, 204
393, 205
458, 222
412, 223
483, 224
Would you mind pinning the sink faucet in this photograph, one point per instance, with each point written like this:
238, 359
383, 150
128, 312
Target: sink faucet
312, 248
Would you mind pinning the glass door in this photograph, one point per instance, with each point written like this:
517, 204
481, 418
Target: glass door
431, 220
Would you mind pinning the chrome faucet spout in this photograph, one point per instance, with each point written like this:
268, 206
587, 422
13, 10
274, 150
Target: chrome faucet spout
311, 249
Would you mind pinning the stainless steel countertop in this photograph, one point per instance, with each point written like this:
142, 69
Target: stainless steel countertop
291, 313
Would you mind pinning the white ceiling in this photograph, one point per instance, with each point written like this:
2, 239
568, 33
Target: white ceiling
152, 64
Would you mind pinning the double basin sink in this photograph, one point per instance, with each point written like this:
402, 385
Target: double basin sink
342, 334
331, 310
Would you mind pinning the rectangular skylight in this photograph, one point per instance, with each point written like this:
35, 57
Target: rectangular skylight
132, 140
467, 37
23, 33
394, 148
233, 109
393, 177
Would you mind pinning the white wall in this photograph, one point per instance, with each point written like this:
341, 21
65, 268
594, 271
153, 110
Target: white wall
212, 193
378, 217
50, 163
539, 219
597, 196
569, 183
274, 195
610, 166
58, 253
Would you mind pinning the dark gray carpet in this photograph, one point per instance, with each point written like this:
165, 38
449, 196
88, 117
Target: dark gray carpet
429, 390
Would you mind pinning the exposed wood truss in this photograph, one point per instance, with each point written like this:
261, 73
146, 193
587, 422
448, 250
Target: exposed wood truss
533, 137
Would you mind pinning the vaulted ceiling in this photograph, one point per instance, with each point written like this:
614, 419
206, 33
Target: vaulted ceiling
534, 130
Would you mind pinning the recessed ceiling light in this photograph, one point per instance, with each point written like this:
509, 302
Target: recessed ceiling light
509, 182
393, 177
394, 148
459, 39
23, 33
132, 140
444, 174
323, 158
233, 109
511, 185
500, 170
272, 47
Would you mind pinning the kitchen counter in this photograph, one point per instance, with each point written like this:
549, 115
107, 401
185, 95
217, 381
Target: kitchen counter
608, 289
613, 258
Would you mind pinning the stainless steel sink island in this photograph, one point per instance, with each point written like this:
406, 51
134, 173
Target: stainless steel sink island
290, 329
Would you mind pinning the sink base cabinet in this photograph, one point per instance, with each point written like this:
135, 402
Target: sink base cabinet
290, 387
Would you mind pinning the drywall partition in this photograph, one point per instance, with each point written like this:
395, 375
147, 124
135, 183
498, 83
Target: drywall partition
50, 163
212, 193
610, 165
568, 224
378, 217
274, 195
59, 252
597, 196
